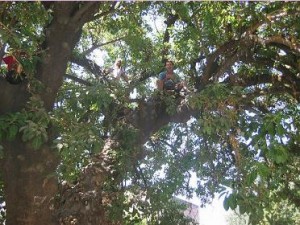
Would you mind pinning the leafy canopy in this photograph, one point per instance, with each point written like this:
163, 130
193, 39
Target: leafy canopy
241, 62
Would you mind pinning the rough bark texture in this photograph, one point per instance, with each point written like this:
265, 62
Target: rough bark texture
30, 184
87, 201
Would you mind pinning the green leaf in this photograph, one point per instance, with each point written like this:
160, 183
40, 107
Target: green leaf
12, 132
263, 170
226, 204
242, 209
251, 177
232, 201
37, 142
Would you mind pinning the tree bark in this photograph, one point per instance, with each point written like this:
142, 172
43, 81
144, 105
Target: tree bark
30, 183
88, 201
29, 174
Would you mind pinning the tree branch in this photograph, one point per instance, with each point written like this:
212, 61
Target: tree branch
78, 80
293, 45
152, 115
85, 11
212, 64
111, 9
88, 64
95, 46
169, 22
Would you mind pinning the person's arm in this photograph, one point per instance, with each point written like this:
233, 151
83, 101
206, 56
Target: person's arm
19, 68
109, 70
160, 85
124, 76
160, 82
179, 83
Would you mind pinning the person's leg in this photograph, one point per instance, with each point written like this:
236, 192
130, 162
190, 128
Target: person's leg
13, 77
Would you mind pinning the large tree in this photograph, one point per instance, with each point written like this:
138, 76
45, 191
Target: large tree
76, 149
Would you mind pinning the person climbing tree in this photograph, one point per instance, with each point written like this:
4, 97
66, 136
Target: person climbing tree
168, 80
15, 73
118, 71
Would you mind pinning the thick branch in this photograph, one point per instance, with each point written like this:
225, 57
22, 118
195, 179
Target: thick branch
78, 80
84, 11
85, 201
60, 40
212, 60
292, 45
88, 64
92, 67
112, 8
152, 115
169, 22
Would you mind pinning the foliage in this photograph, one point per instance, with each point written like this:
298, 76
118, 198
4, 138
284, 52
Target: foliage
282, 212
31, 124
22, 30
241, 61
235, 218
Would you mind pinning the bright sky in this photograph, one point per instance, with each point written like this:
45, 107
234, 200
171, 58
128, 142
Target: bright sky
214, 214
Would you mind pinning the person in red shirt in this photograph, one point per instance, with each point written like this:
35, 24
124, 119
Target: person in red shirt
15, 74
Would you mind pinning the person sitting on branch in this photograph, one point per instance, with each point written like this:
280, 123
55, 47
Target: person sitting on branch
15, 73
168, 80
118, 71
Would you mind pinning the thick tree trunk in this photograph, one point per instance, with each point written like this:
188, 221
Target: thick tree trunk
30, 183
87, 201
29, 174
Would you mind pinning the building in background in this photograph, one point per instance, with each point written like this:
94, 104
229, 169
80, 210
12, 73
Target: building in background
192, 210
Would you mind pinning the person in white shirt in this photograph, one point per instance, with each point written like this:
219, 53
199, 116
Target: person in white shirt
118, 71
